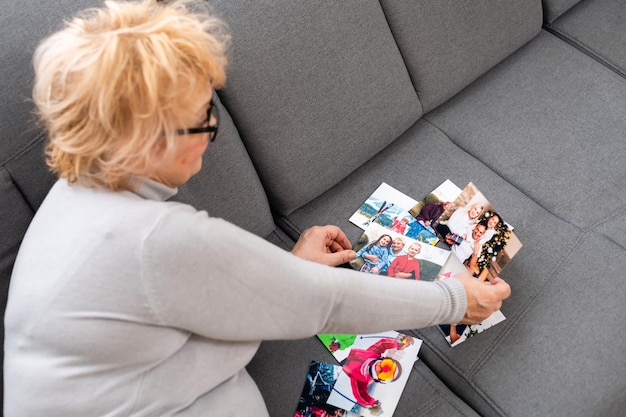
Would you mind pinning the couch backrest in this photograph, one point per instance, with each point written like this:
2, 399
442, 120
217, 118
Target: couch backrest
552, 9
447, 44
301, 74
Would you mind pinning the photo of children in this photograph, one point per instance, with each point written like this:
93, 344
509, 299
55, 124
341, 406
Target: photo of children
374, 255
378, 249
406, 266
374, 374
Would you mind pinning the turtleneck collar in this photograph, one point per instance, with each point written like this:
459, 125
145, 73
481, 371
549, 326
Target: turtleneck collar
152, 190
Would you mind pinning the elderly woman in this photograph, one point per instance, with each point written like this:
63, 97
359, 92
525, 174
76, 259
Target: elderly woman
116, 305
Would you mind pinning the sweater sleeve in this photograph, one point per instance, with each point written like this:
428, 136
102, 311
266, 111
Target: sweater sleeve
209, 277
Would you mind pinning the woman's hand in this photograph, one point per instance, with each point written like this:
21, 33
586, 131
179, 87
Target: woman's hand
483, 297
324, 244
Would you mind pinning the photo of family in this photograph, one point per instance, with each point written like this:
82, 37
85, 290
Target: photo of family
427, 211
385, 252
476, 233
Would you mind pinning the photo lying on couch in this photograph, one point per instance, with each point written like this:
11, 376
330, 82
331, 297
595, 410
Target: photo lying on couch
318, 385
387, 207
477, 234
374, 374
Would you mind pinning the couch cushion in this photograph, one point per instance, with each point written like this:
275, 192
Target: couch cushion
418, 170
448, 44
548, 241
550, 120
316, 90
598, 28
559, 356
15, 215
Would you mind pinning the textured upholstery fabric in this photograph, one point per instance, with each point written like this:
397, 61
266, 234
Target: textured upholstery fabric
21, 29
549, 355
228, 186
552, 98
15, 215
315, 93
30, 173
596, 27
553, 250
448, 44
552, 9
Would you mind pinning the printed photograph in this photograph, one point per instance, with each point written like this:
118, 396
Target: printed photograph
338, 345
427, 211
318, 385
382, 251
374, 374
387, 207
477, 234
456, 334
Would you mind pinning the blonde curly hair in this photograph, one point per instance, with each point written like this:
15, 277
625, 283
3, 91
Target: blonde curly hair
114, 85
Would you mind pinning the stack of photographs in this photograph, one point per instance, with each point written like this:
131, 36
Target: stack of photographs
451, 230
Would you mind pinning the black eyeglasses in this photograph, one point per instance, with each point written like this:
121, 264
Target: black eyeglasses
206, 127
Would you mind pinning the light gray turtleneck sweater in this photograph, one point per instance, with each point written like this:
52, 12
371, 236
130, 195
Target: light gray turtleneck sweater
124, 304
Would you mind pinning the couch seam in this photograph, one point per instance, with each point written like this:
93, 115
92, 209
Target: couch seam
5, 164
434, 402
586, 49
490, 402
287, 226
281, 238
24, 149
404, 60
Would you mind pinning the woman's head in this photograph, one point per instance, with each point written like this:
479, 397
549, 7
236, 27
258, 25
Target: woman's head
384, 240
397, 244
116, 84
475, 210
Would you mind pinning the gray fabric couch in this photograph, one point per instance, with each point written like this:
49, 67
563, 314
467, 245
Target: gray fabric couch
325, 100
